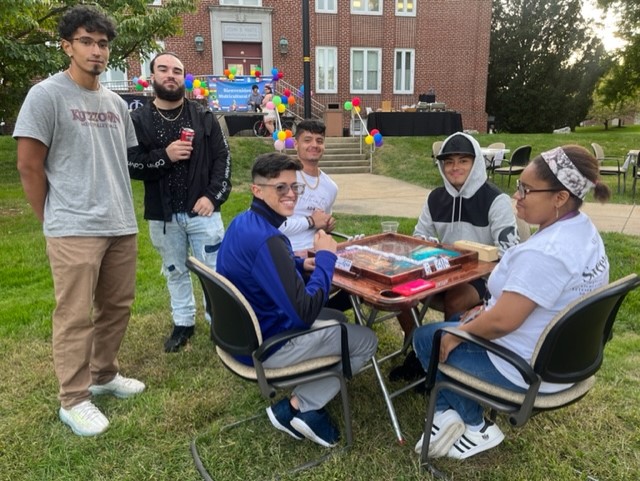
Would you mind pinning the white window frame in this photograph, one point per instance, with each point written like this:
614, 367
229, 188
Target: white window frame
366, 69
242, 3
110, 73
411, 69
402, 6
361, 7
322, 55
327, 6
156, 3
145, 63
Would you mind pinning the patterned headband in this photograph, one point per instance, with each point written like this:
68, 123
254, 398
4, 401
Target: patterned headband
567, 173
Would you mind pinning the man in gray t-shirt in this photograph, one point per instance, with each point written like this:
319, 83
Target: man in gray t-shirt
72, 137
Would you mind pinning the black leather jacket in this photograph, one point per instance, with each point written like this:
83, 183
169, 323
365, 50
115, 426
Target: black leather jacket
209, 166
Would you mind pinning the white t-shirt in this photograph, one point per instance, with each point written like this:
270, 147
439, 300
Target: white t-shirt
553, 267
322, 196
87, 133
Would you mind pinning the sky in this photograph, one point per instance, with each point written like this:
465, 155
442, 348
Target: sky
608, 27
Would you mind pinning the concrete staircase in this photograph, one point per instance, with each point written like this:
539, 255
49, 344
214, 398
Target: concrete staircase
342, 156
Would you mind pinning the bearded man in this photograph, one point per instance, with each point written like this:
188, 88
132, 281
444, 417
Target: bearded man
186, 181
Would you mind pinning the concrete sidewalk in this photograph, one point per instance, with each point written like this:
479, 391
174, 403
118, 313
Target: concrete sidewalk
369, 194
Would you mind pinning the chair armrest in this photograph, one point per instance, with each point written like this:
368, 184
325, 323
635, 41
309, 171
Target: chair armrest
263, 352
527, 372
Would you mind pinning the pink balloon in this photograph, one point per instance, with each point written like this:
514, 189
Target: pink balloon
278, 145
271, 105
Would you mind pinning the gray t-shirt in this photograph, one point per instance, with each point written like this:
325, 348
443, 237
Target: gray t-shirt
87, 133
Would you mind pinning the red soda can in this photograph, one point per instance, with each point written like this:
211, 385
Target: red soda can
187, 135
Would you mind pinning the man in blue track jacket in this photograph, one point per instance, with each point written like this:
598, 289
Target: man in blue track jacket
258, 259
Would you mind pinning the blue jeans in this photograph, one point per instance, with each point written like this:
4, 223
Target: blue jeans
467, 357
172, 240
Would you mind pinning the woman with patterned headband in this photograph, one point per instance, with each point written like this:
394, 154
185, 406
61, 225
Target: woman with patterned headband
534, 281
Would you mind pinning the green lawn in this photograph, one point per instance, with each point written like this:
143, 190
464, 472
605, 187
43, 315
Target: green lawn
190, 394
409, 158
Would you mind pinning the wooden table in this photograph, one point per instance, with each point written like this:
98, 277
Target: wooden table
366, 288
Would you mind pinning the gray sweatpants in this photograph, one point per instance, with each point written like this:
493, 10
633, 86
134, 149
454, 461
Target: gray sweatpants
326, 342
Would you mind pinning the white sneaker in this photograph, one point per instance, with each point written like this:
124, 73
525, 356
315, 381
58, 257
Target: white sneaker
474, 442
119, 386
447, 427
84, 419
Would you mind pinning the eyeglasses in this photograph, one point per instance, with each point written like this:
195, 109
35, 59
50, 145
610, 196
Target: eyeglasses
89, 42
524, 191
283, 189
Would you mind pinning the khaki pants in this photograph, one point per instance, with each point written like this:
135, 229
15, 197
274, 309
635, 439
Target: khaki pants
94, 281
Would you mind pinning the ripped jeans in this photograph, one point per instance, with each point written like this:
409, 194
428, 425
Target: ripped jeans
172, 240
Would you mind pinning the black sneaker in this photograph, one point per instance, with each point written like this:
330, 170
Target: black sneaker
178, 338
280, 415
316, 426
410, 370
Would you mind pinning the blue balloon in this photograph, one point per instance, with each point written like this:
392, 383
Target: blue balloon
274, 72
275, 135
377, 137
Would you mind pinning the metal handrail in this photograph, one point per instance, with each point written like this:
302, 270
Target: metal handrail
363, 128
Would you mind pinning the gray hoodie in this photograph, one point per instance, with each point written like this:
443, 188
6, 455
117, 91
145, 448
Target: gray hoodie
478, 212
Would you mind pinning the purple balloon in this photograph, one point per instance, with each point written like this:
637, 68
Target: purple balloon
288, 143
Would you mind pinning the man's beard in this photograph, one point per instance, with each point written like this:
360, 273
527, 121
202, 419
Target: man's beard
166, 94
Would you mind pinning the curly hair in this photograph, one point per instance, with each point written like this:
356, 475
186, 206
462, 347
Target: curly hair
87, 17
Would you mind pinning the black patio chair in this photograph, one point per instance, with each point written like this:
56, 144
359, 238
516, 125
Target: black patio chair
570, 350
516, 163
616, 168
235, 331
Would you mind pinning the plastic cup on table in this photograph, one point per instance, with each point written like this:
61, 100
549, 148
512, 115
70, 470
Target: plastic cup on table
390, 226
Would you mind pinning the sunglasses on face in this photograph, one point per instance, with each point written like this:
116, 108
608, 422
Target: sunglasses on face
283, 189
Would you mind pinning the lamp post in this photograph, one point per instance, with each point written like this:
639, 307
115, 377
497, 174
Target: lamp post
306, 54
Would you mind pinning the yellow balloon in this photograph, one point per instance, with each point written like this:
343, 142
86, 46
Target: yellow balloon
368, 139
281, 108
205, 92
231, 76
357, 108
282, 135
196, 83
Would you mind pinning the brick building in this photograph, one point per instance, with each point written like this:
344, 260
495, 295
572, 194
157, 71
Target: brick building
378, 50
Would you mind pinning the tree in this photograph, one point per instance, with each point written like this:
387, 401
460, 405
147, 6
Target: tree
624, 79
604, 110
29, 48
543, 65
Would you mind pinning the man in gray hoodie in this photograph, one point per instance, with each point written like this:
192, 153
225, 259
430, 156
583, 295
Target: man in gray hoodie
469, 208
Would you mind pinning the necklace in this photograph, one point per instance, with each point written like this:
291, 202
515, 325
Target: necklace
68, 72
167, 118
82, 90
304, 179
